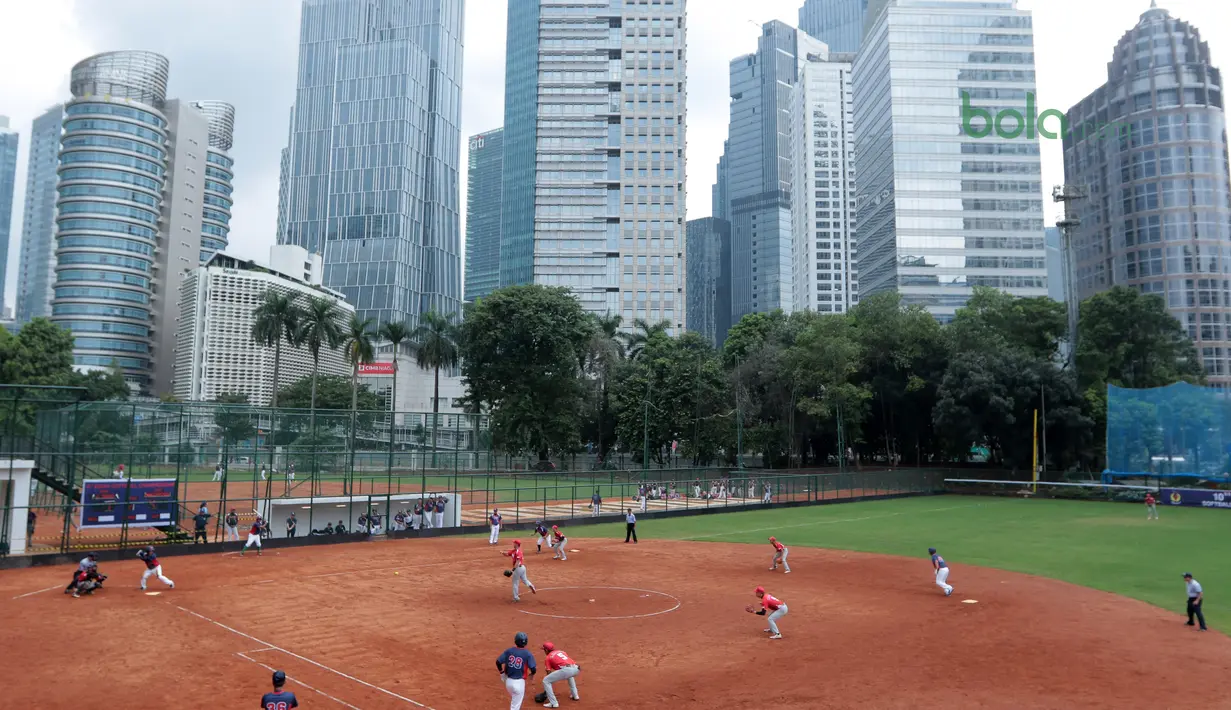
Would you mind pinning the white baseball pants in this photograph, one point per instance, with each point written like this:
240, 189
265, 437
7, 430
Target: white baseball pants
559, 548
495, 536
942, 578
773, 618
440, 520
156, 572
568, 673
781, 557
1151, 512
253, 540
519, 578
517, 691
232, 533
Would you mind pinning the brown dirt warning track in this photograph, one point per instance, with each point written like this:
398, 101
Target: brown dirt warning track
666, 627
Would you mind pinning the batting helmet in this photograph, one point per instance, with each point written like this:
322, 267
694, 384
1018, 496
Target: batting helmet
279, 678
149, 548
548, 647
931, 550
91, 555
521, 639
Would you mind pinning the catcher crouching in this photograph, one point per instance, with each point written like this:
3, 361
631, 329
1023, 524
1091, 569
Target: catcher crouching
88, 582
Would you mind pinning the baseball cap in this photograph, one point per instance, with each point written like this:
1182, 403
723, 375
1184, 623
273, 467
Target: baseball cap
1188, 575
759, 590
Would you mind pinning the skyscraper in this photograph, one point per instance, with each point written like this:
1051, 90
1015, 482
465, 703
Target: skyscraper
371, 169
823, 201
594, 154
8, 182
219, 172
837, 23
131, 190
1151, 145
944, 206
758, 169
484, 185
709, 278
36, 269
1056, 285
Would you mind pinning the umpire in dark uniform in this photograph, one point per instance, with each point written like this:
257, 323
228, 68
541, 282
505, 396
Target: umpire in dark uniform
630, 525
201, 519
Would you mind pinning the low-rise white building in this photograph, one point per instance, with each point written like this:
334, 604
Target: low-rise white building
823, 180
215, 353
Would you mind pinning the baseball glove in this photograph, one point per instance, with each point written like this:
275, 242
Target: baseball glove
508, 573
540, 698
750, 609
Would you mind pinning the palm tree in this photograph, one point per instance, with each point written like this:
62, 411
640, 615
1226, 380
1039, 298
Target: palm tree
359, 351
276, 319
606, 349
435, 342
636, 341
318, 327
396, 334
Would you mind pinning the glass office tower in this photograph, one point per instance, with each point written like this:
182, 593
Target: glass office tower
484, 183
757, 170
371, 169
36, 270
594, 154
1151, 145
942, 209
8, 182
837, 23
709, 278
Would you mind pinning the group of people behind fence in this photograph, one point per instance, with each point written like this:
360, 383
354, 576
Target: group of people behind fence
725, 488
426, 514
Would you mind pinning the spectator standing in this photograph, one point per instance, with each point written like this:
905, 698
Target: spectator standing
630, 526
232, 523
1196, 595
291, 524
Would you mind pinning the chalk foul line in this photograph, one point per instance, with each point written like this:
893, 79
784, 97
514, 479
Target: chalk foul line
293, 679
40, 591
305, 659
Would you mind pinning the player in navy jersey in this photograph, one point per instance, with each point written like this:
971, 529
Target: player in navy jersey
153, 568
942, 571
254, 536
513, 664
279, 699
494, 519
540, 532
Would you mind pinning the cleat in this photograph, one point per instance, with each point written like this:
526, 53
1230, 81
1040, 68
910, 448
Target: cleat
787, 572
948, 592
776, 636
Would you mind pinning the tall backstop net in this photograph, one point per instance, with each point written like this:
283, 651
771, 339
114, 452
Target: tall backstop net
1180, 430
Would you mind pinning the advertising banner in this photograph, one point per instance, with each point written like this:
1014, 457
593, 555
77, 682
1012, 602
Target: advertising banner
105, 503
1196, 497
376, 368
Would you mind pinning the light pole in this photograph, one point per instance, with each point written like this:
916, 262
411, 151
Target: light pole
1068, 194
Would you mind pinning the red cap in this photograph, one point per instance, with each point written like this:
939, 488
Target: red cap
555, 527
517, 543
759, 590
773, 539
548, 646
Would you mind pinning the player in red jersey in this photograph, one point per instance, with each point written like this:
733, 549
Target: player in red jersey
559, 667
774, 607
780, 553
519, 571
558, 541
254, 536
1151, 508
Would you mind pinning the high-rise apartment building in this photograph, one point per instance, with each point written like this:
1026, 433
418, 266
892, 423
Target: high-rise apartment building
37, 266
758, 169
215, 353
837, 23
709, 278
372, 163
823, 185
131, 190
484, 187
594, 154
8, 182
946, 204
1151, 146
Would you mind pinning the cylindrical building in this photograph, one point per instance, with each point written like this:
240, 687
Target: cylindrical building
216, 213
113, 165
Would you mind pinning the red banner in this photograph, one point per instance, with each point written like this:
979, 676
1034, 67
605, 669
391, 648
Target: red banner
376, 368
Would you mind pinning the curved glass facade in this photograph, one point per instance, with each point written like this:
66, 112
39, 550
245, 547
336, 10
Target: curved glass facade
216, 216
113, 164
1151, 144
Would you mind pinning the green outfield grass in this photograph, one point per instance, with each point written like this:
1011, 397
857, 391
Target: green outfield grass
1107, 546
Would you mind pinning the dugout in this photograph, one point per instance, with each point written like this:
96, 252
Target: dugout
318, 512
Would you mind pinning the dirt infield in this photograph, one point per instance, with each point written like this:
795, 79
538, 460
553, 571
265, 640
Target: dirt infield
651, 624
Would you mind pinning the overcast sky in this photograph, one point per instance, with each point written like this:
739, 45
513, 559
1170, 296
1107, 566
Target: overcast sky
245, 52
